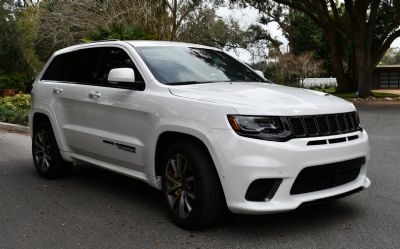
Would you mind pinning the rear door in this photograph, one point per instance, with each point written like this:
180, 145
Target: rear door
66, 81
114, 114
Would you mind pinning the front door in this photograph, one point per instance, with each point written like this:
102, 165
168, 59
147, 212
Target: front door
114, 115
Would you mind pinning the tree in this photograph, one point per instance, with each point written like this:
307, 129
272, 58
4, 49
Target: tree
368, 27
392, 57
203, 26
11, 56
120, 32
305, 36
301, 66
178, 12
292, 69
64, 23
27, 28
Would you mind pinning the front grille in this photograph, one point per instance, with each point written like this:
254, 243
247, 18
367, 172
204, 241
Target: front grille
327, 176
323, 125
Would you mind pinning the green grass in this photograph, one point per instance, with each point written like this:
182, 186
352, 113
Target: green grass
353, 95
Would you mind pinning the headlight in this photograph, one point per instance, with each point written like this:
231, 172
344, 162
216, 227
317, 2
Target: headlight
261, 127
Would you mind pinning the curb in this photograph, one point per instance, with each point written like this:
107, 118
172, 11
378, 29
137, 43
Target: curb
14, 127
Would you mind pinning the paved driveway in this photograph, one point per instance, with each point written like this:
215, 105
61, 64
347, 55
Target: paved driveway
392, 91
94, 208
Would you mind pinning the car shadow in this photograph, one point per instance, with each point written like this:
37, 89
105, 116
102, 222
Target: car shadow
307, 218
111, 183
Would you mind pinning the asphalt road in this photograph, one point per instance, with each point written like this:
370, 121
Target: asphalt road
94, 208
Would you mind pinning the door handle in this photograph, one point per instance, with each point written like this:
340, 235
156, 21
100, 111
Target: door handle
94, 95
57, 90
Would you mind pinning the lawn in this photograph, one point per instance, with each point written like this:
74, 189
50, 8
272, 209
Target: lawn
353, 95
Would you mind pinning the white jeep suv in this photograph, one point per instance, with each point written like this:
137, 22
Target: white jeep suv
197, 124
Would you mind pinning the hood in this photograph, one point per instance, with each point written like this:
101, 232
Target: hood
265, 99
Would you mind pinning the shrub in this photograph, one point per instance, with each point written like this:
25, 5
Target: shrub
15, 109
19, 101
326, 86
19, 82
13, 116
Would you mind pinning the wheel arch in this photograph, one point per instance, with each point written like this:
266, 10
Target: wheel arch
166, 137
38, 115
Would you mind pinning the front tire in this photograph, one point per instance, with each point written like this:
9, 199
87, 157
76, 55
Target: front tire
191, 186
46, 154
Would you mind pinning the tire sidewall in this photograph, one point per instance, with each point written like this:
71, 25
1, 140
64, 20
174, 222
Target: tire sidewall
201, 166
58, 167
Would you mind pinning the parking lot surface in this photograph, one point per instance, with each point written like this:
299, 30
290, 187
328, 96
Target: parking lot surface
94, 208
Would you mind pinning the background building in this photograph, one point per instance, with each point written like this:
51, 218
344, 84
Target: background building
386, 76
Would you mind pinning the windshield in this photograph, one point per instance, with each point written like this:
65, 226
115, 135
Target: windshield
184, 65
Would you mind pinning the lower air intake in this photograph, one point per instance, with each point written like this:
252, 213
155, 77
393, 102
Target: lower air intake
262, 189
327, 176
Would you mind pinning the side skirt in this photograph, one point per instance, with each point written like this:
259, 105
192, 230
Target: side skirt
115, 168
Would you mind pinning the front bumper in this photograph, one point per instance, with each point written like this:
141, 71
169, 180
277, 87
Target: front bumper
246, 160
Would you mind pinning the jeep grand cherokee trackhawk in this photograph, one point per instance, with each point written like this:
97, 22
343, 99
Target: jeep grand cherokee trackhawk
197, 124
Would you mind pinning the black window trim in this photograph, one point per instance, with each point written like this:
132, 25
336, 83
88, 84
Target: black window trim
98, 65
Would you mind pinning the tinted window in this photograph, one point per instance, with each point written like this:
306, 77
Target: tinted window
184, 65
115, 58
78, 66
55, 70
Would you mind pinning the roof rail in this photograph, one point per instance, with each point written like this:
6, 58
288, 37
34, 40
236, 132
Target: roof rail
105, 40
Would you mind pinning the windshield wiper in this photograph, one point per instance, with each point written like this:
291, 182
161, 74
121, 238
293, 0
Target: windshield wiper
192, 82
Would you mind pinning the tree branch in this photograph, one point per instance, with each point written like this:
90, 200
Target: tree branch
373, 15
334, 10
385, 46
169, 5
302, 6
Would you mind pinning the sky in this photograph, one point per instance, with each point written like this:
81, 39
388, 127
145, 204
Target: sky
248, 16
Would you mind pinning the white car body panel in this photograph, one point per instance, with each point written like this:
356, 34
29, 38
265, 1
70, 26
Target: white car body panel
266, 99
136, 119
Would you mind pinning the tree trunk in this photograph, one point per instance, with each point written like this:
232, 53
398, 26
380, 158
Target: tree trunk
364, 66
343, 83
364, 83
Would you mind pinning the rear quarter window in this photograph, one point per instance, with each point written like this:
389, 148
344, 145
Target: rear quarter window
79, 66
54, 71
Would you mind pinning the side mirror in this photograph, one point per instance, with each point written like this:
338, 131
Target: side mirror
121, 75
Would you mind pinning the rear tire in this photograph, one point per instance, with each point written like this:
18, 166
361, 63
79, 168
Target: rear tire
46, 154
191, 186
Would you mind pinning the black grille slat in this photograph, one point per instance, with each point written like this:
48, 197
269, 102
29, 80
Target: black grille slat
355, 117
342, 123
349, 121
333, 124
321, 177
297, 127
311, 126
323, 125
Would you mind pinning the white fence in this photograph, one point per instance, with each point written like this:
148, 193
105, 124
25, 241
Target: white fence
310, 82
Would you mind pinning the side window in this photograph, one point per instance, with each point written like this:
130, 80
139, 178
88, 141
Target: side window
78, 66
55, 70
115, 58
81, 66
